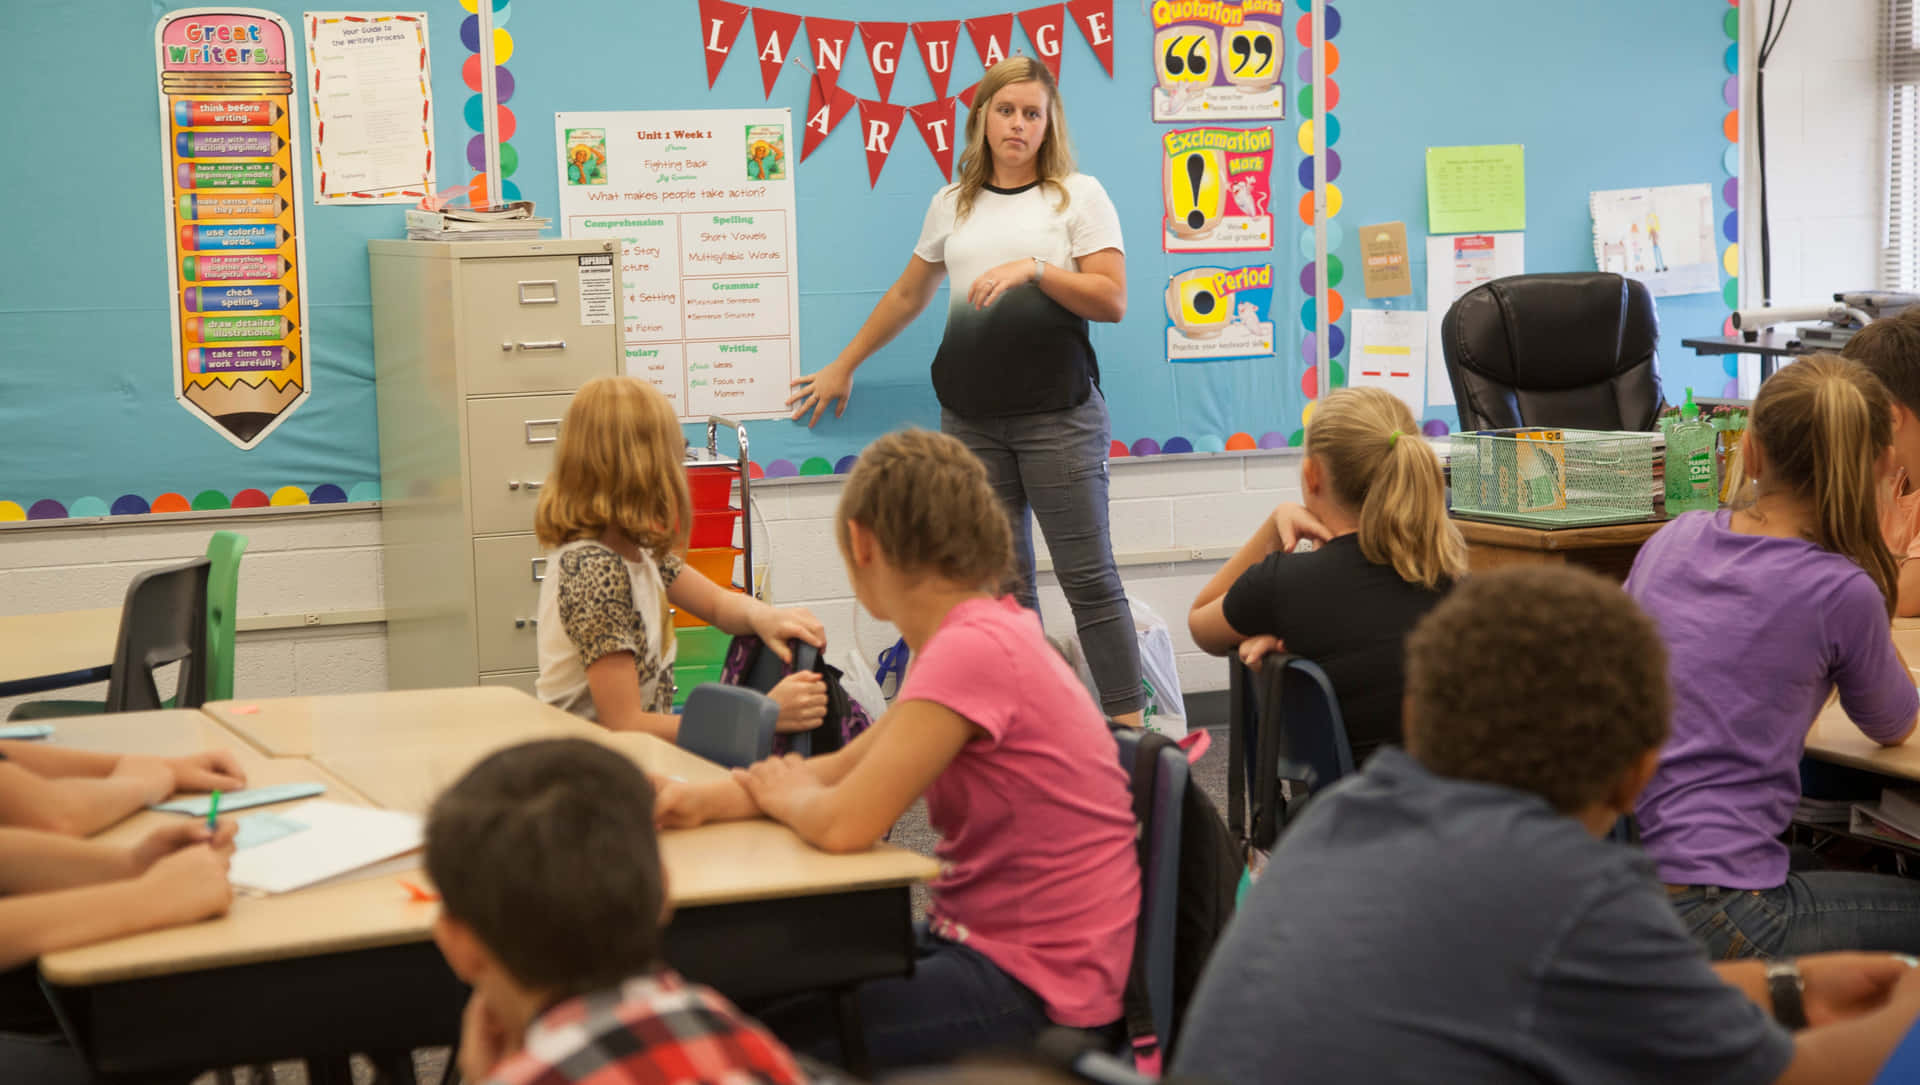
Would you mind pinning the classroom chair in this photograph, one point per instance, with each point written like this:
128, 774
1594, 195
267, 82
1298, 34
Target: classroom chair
728, 725
1576, 350
1159, 878
1283, 723
223, 603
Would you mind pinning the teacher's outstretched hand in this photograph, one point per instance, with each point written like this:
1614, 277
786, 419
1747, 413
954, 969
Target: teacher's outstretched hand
831, 386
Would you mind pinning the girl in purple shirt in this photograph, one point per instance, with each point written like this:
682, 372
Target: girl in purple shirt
1766, 609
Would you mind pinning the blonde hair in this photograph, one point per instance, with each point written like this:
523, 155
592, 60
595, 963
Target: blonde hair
930, 508
1379, 466
1054, 162
620, 464
1822, 425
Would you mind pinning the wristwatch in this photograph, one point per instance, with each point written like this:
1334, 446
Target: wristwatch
1788, 991
1039, 268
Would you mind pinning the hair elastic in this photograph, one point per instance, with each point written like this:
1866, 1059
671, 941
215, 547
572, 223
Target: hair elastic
1393, 438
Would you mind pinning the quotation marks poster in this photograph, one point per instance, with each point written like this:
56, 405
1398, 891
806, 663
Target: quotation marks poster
235, 255
1216, 313
702, 202
1219, 61
1217, 183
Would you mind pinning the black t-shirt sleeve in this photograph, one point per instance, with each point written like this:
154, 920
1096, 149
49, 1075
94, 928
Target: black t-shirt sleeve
1252, 605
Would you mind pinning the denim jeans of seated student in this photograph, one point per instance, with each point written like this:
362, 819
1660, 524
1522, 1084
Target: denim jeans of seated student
1055, 464
1814, 912
956, 1003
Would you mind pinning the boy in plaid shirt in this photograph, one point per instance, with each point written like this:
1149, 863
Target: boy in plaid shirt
553, 900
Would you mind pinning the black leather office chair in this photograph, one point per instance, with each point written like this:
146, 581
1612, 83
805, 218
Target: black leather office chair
1575, 351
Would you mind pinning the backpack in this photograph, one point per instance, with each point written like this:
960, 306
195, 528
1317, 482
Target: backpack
1208, 873
749, 664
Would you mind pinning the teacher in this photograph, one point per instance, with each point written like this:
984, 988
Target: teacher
1035, 252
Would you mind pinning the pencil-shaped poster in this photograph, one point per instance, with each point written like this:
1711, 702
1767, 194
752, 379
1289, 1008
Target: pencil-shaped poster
234, 251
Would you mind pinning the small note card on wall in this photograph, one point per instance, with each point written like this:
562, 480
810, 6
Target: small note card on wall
1476, 188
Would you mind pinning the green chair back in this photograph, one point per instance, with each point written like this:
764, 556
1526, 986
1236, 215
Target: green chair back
223, 595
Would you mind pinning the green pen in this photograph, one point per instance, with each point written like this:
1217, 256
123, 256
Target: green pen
213, 813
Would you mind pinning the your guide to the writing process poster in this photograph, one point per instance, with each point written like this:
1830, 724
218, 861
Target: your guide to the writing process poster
703, 204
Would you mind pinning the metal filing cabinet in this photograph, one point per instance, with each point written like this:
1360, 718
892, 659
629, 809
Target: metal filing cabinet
478, 347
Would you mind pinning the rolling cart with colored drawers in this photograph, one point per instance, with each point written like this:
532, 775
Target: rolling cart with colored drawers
711, 477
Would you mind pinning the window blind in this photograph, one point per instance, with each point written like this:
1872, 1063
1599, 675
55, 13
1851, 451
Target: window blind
1900, 75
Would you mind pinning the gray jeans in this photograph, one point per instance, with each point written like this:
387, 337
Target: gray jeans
1055, 463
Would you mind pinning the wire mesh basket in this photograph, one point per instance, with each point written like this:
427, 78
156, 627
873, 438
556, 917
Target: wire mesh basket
1552, 478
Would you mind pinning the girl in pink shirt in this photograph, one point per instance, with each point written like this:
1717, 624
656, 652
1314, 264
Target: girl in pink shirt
1033, 913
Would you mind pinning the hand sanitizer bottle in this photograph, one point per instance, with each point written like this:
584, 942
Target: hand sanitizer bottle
1691, 483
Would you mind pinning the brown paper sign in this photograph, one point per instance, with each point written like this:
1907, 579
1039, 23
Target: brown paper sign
1383, 260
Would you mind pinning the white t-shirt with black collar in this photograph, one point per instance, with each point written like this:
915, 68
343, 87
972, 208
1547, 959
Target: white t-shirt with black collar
1026, 353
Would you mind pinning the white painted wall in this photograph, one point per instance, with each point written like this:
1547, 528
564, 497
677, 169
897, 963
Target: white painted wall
1826, 150
324, 565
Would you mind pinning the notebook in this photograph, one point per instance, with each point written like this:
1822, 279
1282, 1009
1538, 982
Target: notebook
240, 800
338, 843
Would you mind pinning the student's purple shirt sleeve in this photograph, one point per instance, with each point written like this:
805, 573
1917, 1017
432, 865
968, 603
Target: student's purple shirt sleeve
1876, 690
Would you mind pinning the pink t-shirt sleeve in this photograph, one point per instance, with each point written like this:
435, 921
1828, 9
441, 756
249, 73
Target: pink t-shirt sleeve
951, 677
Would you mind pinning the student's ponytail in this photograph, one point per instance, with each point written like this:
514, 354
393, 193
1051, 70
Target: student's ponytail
1823, 425
1379, 465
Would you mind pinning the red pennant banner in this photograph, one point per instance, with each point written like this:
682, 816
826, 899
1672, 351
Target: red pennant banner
774, 31
883, 42
880, 125
993, 36
966, 96
830, 38
935, 121
719, 25
827, 103
1095, 19
937, 40
1043, 26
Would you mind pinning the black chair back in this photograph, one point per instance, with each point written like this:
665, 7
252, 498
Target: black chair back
1284, 724
1570, 351
164, 621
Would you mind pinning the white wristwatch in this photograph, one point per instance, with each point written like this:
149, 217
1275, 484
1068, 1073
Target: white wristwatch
1039, 268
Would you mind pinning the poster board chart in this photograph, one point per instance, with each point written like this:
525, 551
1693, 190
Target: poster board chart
702, 202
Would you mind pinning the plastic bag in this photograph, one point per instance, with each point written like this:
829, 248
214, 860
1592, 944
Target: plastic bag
856, 677
1165, 710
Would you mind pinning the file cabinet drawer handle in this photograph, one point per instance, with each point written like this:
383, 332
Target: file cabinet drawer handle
543, 344
539, 291
515, 484
525, 623
549, 438
539, 569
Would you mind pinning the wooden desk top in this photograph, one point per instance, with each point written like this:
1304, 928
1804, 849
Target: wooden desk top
1834, 738
357, 915
410, 777
714, 864
357, 722
34, 645
1515, 537
170, 732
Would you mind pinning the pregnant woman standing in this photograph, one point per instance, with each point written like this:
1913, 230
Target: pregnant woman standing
1034, 251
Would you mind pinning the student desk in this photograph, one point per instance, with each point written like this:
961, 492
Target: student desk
316, 974
169, 732
358, 722
77, 643
742, 891
324, 972
1608, 549
1834, 738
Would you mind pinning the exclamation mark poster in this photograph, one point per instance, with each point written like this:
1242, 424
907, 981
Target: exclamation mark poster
233, 207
